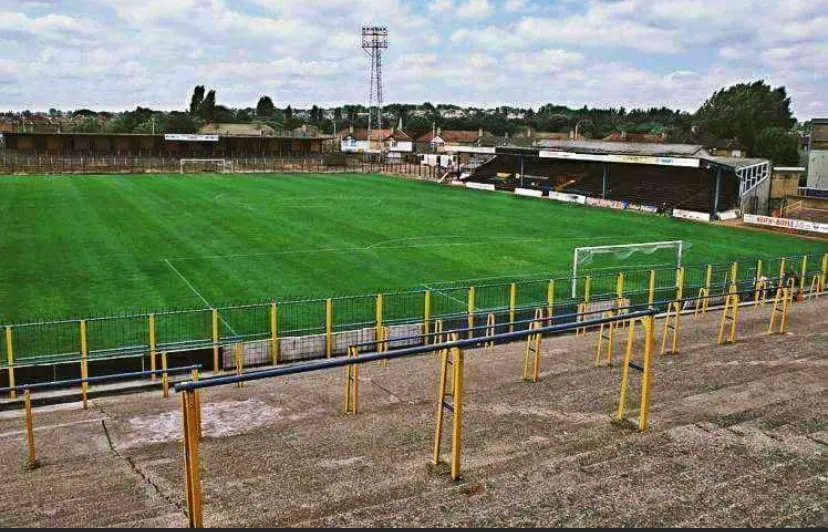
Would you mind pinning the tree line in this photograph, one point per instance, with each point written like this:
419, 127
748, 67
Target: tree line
754, 115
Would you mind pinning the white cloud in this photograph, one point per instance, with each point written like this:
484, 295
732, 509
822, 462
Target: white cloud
119, 53
475, 9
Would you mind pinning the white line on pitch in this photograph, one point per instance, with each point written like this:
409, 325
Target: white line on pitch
196, 292
437, 290
375, 246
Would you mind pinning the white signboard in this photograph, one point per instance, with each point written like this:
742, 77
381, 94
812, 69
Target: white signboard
459, 148
569, 198
787, 223
642, 208
528, 192
691, 215
612, 204
619, 158
728, 215
480, 186
188, 137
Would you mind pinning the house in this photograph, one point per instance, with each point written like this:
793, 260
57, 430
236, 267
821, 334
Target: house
389, 140
246, 130
436, 141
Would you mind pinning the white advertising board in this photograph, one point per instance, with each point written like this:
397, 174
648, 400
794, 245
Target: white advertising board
691, 215
480, 186
187, 137
612, 204
728, 215
787, 223
569, 198
620, 158
528, 192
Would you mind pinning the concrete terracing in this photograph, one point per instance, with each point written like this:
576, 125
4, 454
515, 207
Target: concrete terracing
738, 438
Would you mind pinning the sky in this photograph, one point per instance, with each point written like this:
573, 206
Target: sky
118, 54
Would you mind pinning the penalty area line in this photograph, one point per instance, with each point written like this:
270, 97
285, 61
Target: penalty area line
197, 293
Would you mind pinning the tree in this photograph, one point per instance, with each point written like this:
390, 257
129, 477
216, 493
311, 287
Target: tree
288, 114
89, 124
197, 99
776, 144
178, 122
207, 109
265, 107
742, 111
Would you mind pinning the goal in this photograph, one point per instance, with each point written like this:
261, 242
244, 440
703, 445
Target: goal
619, 257
205, 165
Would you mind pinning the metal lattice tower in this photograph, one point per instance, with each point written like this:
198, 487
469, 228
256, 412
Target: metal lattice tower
374, 41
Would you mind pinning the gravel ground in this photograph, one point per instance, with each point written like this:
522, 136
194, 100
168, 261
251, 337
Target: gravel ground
738, 438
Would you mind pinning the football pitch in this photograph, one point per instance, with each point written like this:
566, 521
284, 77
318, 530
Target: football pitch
76, 246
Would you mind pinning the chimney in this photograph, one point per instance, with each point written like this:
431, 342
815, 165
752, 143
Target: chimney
439, 131
480, 132
663, 135
351, 129
528, 132
623, 135
400, 125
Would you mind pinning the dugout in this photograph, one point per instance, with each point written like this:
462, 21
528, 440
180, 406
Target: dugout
675, 176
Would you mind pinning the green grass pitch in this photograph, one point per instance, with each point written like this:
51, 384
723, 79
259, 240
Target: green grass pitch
76, 246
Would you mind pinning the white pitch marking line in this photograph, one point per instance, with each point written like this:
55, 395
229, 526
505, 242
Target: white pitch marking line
196, 292
444, 295
375, 246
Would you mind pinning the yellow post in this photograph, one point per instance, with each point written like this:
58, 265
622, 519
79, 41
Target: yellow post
804, 273
587, 288
822, 272
457, 418
781, 269
165, 380
651, 293
619, 286
239, 356
708, 276
214, 314
352, 384
550, 299
274, 335
512, 306
644, 413
734, 274
378, 332
470, 312
758, 285
10, 361
426, 316
84, 367
151, 334
27, 402
328, 327
191, 463
680, 283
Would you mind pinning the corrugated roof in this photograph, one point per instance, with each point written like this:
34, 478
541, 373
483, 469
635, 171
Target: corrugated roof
237, 129
626, 148
733, 162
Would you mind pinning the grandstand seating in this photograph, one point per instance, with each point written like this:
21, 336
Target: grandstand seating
675, 187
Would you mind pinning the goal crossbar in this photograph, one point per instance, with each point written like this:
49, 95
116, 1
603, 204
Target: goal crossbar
678, 245
222, 162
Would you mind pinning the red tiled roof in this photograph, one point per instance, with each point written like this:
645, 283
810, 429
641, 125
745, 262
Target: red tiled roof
376, 134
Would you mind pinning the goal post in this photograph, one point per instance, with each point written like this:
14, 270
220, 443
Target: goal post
669, 254
205, 165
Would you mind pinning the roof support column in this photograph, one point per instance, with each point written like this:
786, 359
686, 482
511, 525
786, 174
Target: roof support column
604, 180
716, 190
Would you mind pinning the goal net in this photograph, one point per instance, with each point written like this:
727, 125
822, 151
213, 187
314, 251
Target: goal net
594, 260
205, 165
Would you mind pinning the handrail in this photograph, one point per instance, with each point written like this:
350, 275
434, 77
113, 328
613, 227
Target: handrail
102, 378
187, 386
